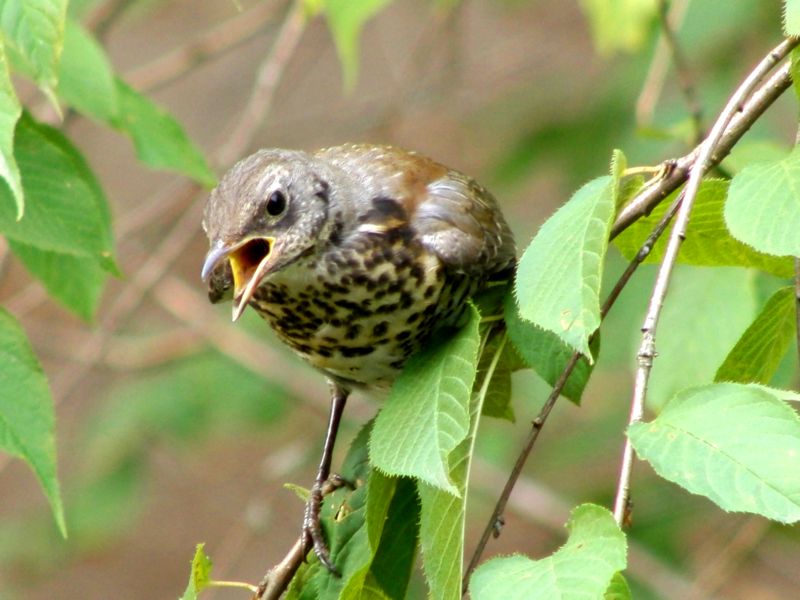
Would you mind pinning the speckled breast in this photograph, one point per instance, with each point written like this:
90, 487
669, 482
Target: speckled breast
358, 312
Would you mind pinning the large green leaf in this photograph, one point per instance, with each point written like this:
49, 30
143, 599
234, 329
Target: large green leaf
35, 29
10, 111
738, 445
584, 567
759, 351
27, 422
66, 211
346, 19
620, 25
159, 139
86, 79
708, 241
443, 516
546, 353
75, 281
559, 275
427, 413
763, 207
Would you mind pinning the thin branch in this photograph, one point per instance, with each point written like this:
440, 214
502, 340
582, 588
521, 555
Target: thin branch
678, 169
647, 350
682, 71
495, 520
203, 47
267, 79
659, 66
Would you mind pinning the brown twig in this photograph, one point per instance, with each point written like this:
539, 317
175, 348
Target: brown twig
678, 170
203, 47
659, 66
682, 70
541, 418
647, 350
266, 82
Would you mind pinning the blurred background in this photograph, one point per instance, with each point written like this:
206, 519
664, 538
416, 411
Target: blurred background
177, 427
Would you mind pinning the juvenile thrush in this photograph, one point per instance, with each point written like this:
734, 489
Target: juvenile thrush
354, 255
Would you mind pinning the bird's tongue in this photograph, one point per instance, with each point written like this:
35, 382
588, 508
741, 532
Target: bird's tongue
250, 264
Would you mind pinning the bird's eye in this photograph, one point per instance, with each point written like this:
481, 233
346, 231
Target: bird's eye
276, 203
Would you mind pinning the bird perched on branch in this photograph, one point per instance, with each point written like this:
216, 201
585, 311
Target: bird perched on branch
354, 255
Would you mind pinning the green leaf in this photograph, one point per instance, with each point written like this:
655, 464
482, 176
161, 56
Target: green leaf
618, 589
200, 575
86, 79
759, 351
66, 211
791, 17
498, 395
693, 343
10, 111
346, 19
35, 29
75, 281
583, 567
619, 25
748, 152
27, 420
738, 445
544, 352
559, 275
427, 413
159, 139
708, 241
763, 207
443, 515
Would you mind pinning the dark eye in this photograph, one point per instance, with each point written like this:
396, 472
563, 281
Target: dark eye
276, 203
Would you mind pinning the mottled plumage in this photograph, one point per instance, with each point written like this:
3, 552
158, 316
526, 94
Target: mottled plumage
354, 255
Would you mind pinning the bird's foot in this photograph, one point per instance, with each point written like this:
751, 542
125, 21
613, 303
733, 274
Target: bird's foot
312, 528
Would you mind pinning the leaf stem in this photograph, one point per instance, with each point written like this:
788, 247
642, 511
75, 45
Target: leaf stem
647, 349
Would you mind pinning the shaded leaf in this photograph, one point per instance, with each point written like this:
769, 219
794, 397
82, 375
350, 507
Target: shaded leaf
763, 207
559, 275
27, 420
618, 589
66, 211
497, 402
759, 351
159, 139
544, 352
584, 567
86, 79
75, 281
738, 445
427, 413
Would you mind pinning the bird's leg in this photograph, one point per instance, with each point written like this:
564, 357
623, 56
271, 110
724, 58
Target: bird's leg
311, 524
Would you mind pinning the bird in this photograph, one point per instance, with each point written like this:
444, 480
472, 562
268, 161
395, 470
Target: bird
355, 255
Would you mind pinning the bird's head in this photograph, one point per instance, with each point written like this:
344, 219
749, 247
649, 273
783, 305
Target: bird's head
266, 212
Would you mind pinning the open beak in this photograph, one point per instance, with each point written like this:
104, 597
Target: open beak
250, 262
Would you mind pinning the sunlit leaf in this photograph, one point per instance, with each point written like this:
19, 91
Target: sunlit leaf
200, 575
10, 111
620, 25
582, 568
738, 445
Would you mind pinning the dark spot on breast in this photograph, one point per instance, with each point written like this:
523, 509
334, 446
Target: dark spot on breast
412, 317
403, 335
429, 291
406, 300
417, 273
351, 351
353, 331
380, 329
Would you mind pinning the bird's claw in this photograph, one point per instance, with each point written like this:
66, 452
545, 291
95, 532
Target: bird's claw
312, 528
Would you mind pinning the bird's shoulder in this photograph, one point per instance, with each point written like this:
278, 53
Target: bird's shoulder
450, 213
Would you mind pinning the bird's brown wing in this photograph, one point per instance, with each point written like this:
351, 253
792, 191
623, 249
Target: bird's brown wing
460, 221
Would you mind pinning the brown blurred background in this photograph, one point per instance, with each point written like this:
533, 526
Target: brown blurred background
176, 427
